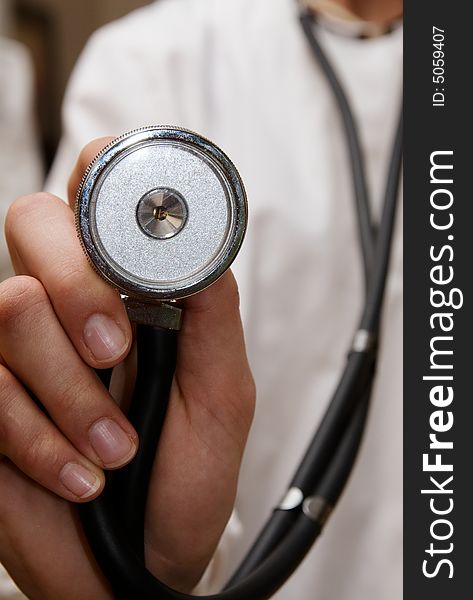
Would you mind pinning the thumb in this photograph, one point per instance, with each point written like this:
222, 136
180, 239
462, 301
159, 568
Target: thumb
212, 359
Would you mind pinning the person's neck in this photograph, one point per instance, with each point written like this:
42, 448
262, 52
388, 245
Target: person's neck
381, 11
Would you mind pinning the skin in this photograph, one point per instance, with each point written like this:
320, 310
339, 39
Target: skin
374, 10
42, 314
43, 349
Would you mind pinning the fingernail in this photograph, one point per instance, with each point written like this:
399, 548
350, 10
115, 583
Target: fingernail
79, 480
113, 446
104, 338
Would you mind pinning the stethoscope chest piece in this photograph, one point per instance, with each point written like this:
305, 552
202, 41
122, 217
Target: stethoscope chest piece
161, 213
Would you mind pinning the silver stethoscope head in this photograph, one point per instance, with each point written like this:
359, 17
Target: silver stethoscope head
161, 213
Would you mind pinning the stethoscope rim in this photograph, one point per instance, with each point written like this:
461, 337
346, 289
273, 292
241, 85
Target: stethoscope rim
85, 226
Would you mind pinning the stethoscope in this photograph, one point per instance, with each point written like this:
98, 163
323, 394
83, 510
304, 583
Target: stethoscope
161, 214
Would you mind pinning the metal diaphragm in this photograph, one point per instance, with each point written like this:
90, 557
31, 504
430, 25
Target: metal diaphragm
161, 213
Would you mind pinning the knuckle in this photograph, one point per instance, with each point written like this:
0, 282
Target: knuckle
19, 295
41, 452
32, 448
70, 278
75, 393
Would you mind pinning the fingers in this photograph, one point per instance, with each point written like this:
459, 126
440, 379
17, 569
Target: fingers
212, 361
35, 445
41, 235
86, 156
39, 353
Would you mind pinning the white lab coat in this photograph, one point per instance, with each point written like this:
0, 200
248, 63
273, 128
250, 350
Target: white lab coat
240, 72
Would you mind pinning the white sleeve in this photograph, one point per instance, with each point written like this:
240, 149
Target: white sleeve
8, 590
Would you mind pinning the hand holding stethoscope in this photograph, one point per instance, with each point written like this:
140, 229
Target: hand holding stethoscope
43, 351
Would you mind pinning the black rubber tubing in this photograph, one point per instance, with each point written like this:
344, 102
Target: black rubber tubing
366, 230
156, 363
330, 488
130, 579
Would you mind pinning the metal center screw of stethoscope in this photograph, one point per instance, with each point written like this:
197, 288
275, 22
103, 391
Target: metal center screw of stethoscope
162, 213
